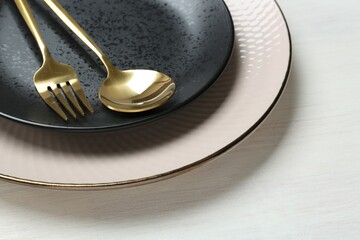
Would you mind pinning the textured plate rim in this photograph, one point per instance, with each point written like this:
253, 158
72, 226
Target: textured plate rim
139, 122
173, 173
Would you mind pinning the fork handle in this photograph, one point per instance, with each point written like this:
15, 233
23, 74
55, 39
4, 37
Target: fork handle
79, 31
26, 13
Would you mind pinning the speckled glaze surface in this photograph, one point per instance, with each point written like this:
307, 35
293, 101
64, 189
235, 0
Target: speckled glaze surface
191, 41
210, 125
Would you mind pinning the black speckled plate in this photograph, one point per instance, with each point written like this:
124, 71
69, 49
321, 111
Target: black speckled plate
189, 40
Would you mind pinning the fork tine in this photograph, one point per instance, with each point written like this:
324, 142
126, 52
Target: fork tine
50, 101
76, 86
63, 101
71, 97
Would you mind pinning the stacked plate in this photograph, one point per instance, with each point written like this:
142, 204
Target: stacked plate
230, 61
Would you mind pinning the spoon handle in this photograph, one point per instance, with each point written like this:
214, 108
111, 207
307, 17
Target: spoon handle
79, 31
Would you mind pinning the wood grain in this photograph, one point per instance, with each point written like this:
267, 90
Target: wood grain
297, 177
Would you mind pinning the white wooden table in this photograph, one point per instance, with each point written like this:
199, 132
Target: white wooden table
297, 177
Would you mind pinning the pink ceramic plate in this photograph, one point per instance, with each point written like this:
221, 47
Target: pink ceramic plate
229, 111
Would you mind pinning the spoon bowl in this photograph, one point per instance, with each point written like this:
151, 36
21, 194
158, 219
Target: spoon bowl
135, 90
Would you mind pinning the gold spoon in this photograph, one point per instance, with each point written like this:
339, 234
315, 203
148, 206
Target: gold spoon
122, 91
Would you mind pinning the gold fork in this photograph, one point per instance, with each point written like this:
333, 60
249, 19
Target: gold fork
54, 80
